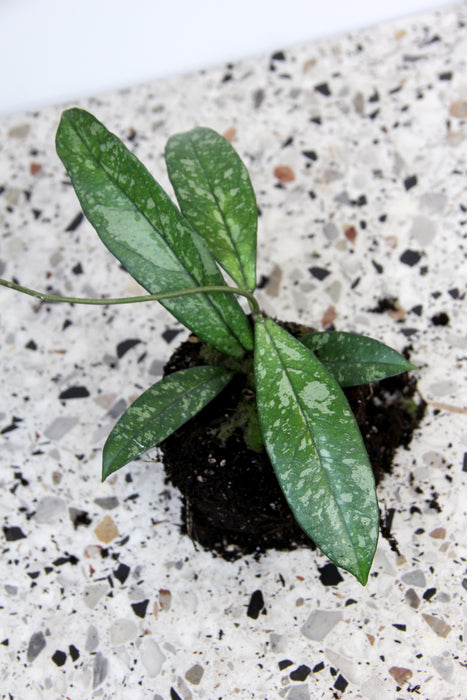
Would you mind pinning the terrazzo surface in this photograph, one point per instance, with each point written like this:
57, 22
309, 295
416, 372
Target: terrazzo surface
357, 151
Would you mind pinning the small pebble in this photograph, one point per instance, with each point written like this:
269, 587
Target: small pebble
320, 623
106, 531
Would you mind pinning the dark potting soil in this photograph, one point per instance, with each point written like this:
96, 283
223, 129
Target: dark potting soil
232, 502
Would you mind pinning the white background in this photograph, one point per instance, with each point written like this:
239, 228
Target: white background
59, 50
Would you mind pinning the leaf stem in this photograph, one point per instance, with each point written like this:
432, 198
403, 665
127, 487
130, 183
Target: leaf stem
256, 311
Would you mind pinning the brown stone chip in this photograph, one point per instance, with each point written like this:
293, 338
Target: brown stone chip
284, 173
400, 675
438, 625
458, 109
106, 531
350, 233
329, 316
439, 533
230, 134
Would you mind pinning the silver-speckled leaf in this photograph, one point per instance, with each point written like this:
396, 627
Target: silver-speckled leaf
355, 359
315, 446
215, 194
159, 411
142, 227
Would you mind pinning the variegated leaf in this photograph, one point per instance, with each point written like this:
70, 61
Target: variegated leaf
215, 194
142, 227
355, 359
159, 411
315, 446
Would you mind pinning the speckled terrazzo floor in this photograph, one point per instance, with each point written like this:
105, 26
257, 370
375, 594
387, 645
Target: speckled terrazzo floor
357, 150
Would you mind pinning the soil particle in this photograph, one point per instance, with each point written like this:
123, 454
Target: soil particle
232, 502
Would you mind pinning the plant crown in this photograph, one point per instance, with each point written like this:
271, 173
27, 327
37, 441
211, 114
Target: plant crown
306, 425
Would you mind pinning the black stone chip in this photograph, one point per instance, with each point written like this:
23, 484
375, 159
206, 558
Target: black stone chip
378, 267
341, 683
59, 657
126, 345
278, 56
74, 652
79, 517
170, 333
256, 605
410, 182
400, 626
323, 89
8, 428
319, 667
13, 533
76, 222
441, 319
31, 345
429, 593
70, 559
174, 695
121, 573
329, 575
301, 673
285, 663
410, 257
75, 392
311, 155
319, 272
140, 608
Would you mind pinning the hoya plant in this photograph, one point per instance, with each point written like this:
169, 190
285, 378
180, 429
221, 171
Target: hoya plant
306, 425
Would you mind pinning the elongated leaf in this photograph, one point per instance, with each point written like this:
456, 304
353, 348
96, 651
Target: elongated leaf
141, 226
159, 411
215, 194
315, 446
355, 359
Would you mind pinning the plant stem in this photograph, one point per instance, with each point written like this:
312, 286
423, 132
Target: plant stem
133, 300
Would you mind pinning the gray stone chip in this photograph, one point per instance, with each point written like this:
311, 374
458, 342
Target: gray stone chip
35, 646
100, 669
320, 623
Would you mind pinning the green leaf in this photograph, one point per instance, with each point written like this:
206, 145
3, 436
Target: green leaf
159, 411
315, 446
215, 194
142, 227
355, 359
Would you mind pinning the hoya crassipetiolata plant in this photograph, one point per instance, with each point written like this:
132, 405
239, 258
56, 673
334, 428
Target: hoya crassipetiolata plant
305, 422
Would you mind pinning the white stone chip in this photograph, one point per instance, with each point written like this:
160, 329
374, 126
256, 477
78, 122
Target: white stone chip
151, 656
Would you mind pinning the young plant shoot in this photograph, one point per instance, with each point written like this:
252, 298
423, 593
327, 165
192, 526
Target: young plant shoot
308, 429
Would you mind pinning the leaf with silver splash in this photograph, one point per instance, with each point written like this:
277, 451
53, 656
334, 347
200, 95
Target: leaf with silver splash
355, 359
215, 194
159, 411
143, 228
315, 446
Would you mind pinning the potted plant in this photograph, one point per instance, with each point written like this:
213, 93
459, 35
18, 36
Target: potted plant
289, 404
